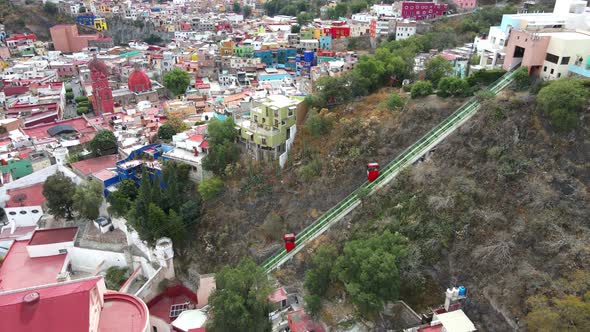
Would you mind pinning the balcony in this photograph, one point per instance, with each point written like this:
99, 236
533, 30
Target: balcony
580, 70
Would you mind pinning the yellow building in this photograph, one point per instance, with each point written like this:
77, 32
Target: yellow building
317, 33
100, 24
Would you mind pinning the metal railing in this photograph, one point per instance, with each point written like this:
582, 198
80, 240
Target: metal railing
407, 157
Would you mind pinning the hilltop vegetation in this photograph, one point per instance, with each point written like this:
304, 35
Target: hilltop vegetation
30, 17
501, 206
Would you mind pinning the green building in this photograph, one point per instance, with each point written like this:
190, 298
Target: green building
268, 130
17, 168
243, 50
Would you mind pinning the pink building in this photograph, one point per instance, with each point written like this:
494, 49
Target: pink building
36, 293
465, 4
423, 10
65, 38
526, 49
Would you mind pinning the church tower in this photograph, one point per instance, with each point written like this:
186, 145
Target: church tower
102, 96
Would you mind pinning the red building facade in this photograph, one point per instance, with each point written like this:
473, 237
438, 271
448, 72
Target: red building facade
102, 95
423, 10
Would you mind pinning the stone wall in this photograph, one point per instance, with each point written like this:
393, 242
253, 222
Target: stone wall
123, 30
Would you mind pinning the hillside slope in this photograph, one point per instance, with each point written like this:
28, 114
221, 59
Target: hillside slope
501, 206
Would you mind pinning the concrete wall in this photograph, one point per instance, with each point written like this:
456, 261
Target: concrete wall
51, 249
87, 260
572, 46
149, 290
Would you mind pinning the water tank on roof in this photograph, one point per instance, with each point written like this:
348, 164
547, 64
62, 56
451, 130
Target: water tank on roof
462, 291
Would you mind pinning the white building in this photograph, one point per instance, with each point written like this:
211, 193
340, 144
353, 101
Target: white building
405, 30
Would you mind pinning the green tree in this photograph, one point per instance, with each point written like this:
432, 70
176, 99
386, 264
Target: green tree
421, 89
104, 142
177, 123
373, 70
313, 305
50, 8
340, 10
394, 102
210, 188
88, 199
82, 110
562, 100
317, 279
69, 96
115, 277
369, 270
247, 11
80, 99
223, 150
240, 300
119, 204
522, 79
176, 80
304, 18
236, 7
128, 188
295, 28
317, 124
190, 212
437, 68
166, 131
153, 39
453, 86
58, 190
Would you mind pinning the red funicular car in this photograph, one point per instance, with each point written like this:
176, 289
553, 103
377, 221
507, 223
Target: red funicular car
372, 171
289, 241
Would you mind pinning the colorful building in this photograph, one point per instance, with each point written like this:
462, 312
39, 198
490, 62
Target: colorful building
268, 130
423, 10
465, 4
272, 57
102, 95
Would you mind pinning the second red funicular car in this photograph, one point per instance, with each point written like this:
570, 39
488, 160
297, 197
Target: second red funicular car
372, 171
289, 239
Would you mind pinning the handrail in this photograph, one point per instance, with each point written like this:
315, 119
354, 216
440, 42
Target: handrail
408, 156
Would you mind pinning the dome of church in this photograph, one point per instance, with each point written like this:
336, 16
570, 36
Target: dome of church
139, 81
98, 65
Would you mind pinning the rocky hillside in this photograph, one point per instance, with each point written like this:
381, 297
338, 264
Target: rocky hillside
19, 18
501, 206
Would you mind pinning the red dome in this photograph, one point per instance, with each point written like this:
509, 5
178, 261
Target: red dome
139, 81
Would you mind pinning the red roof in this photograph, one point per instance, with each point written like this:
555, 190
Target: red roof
26, 196
63, 307
196, 138
278, 295
123, 312
20, 271
94, 165
53, 235
139, 81
160, 305
18, 232
300, 322
40, 131
204, 144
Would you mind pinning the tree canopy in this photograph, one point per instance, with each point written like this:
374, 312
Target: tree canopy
240, 300
421, 89
562, 100
58, 190
453, 86
223, 150
176, 80
104, 142
437, 68
369, 270
88, 198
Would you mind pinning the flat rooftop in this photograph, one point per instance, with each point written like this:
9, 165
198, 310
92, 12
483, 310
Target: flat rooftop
123, 312
53, 235
566, 35
20, 271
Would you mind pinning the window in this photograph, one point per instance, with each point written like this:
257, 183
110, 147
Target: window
545, 68
565, 60
552, 58
35, 211
12, 213
558, 75
552, 70
23, 212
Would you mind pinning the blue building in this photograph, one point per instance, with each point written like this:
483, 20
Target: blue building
325, 42
275, 56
